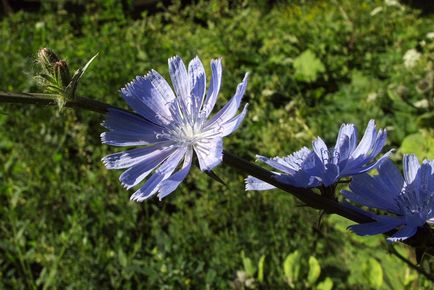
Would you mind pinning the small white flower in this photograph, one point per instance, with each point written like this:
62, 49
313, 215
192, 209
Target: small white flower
411, 57
392, 3
372, 97
430, 35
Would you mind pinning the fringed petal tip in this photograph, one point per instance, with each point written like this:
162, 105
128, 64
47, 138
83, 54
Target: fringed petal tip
253, 183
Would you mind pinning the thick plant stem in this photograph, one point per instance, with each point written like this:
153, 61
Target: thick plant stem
50, 100
307, 196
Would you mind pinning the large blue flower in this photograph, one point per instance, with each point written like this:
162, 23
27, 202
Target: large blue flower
323, 166
170, 126
409, 198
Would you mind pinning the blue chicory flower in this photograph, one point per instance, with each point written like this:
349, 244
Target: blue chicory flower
170, 126
409, 198
322, 166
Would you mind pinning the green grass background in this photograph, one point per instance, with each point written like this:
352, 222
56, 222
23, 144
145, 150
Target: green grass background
65, 220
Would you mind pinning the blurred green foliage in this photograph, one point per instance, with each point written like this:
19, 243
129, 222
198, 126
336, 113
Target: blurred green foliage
66, 222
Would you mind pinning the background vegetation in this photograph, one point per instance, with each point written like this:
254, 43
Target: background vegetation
66, 222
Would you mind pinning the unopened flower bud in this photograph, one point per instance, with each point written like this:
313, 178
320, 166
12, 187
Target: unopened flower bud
47, 58
61, 71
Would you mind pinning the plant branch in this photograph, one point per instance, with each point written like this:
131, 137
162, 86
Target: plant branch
411, 265
307, 196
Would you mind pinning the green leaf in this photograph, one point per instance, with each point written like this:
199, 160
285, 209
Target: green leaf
314, 271
249, 268
421, 144
72, 87
307, 66
123, 260
327, 284
374, 273
261, 268
291, 267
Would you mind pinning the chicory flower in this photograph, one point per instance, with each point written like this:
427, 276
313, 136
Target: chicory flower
323, 166
170, 125
410, 199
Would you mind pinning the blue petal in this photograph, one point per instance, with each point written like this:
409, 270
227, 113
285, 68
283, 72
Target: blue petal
150, 96
180, 80
120, 139
252, 183
342, 150
297, 160
166, 169
365, 191
355, 167
197, 78
390, 179
233, 124
209, 153
330, 175
349, 131
171, 183
321, 150
367, 141
128, 129
299, 179
426, 173
403, 234
379, 144
411, 167
136, 173
231, 107
374, 228
130, 157
277, 163
214, 86
117, 120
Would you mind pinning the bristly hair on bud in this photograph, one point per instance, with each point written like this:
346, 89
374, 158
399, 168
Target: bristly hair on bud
47, 58
55, 77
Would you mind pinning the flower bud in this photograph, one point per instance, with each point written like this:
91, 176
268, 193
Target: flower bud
61, 72
47, 58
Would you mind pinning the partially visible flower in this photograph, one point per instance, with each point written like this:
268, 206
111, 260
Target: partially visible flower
411, 57
170, 126
430, 35
410, 198
324, 166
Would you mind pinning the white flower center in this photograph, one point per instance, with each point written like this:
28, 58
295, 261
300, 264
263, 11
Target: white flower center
188, 128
